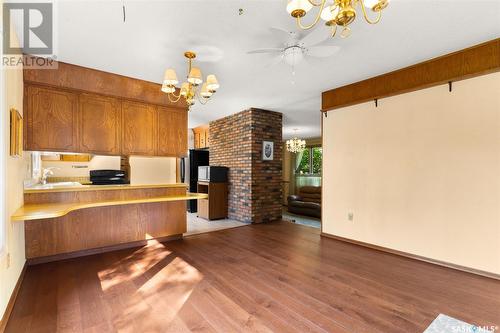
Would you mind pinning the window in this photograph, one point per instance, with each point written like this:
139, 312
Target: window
310, 161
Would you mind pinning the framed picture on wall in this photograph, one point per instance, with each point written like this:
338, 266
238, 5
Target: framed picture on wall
267, 150
16, 133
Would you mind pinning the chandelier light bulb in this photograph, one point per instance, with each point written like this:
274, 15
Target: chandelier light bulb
195, 77
170, 77
205, 93
329, 13
212, 83
335, 13
167, 88
298, 8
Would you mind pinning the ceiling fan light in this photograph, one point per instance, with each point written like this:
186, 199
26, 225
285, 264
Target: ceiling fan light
168, 89
212, 83
195, 77
298, 8
329, 13
170, 77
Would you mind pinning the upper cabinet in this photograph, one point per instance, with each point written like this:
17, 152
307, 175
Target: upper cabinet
139, 129
61, 120
51, 120
201, 137
99, 120
172, 132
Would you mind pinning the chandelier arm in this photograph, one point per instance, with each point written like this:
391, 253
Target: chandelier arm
176, 99
201, 98
334, 31
379, 16
307, 27
173, 94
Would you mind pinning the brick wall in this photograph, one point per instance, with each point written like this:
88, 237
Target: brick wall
254, 185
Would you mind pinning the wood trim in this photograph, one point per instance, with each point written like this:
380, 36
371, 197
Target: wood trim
470, 62
413, 256
83, 79
12, 300
83, 253
30, 212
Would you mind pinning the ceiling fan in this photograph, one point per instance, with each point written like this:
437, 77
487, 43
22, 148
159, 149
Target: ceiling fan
295, 48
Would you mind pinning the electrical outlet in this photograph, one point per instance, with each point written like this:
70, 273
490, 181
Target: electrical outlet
350, 216
7, 260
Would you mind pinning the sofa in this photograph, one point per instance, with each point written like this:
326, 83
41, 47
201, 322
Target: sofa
306, 202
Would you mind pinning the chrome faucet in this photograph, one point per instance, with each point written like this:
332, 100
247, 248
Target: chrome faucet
45, 173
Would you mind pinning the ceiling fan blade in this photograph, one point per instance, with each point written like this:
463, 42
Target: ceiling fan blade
316, 36
279, 30
268, 50
322, 51
276, 60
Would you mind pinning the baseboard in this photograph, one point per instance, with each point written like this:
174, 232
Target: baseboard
12, 300
88, 252
414, 256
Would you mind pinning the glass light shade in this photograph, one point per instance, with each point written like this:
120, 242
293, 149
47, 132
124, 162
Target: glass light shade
167, 88
212, 83
170, 78
293, 5
328, 15
184, 89
370, 3
195, 76
293, 55
205, 93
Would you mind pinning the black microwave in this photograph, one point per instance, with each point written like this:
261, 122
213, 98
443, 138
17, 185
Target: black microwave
214, 174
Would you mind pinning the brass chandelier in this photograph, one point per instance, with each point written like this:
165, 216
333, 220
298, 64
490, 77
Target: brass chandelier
194, 88
335, 12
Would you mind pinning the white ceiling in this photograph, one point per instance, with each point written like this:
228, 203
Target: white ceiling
156, 33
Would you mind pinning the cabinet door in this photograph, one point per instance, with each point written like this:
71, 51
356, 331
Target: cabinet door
207, 138
99, 119
139, 125
172, 132
51, 120
203, 144
196, 139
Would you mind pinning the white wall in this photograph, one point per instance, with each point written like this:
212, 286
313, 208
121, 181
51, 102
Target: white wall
16, 171
152, 170
421, 173
67, 169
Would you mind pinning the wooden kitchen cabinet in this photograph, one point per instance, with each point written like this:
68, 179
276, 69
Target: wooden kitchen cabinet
99, 124
139, 129
172, 132
60, 120
51, 120
201, 137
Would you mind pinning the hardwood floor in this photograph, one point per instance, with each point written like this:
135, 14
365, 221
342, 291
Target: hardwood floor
276, 277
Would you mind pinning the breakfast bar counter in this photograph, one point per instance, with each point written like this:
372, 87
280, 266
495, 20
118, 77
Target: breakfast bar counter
67, 222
